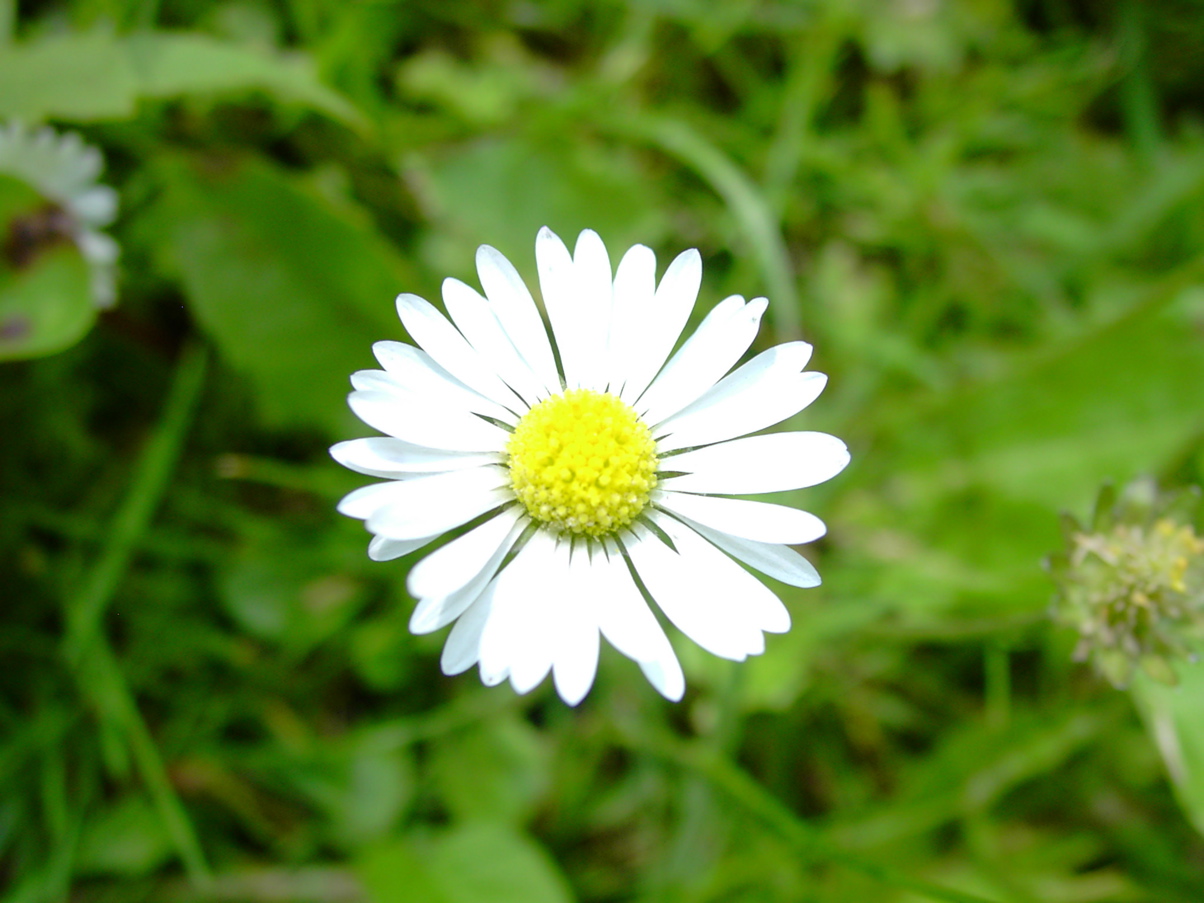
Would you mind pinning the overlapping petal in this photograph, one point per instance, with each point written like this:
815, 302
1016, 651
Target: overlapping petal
523, 601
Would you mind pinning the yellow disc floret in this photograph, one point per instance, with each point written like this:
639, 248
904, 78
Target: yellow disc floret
582, 462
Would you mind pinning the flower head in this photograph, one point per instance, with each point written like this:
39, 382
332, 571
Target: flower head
594, 469
1133, 583
64, 171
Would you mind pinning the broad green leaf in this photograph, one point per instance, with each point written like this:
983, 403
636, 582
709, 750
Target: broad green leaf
485, 863
98, 75
474, 863
46, 301
293, 291
1174, 717
126, 839
168, 65
501, 191
494, 770
69, 76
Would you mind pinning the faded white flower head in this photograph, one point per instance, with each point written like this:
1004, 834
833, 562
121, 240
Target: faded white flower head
64, 170
595, 470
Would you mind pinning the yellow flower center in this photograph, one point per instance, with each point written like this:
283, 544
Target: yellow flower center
582, 462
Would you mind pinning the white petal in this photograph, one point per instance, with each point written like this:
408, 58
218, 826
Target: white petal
575, 656
427, 424
463, 647
380, 456
756, 602
760, 521
426, 505
451, 351
680, 586
663, 322
516, 311
777, 561
474, 317
709, 353
515, 640
619, 608
769, 463
765, 391
381, 548
414, 372
447, 569
444, 393
634, 290
592, 306
362, 503
558, 287
665, 675
435, 612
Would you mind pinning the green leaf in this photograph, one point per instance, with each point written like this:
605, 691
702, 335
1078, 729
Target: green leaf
293, 291
475, 863
1175, 720
68, 76
485, 863
495, 770
127, 839
47, 308
97, 75
168, 65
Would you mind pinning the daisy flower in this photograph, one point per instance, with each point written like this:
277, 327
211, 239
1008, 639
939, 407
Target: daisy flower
595, 468
65, 170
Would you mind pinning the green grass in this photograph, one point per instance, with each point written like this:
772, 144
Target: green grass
986, 216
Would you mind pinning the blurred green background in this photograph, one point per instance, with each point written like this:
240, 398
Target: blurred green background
988, 217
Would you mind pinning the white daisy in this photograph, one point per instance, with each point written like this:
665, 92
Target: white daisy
64, 170
587, 470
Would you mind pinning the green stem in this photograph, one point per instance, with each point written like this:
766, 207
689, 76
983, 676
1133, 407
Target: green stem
151, 475
86, 647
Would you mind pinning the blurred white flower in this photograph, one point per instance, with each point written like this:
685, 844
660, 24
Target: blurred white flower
64, 170
591, 466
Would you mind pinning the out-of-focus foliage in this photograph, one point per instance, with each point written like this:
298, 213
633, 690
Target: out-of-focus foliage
986, 215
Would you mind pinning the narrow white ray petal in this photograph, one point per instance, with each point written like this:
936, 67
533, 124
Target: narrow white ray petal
708, 354
680, 586
765, 391
426, 424
451, 351
592, 307
747, 598
381, 548
382, 456
417, 371
575, 655
440, 393
519, 592
362, 503
760, 521
447, 569
463, 647
558, 287
542, 617
491, 678
431, 504
435, 612
619, 608
663, 322
777, 561
475, 319
634, 290
769, 463
665, 674
516, 311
